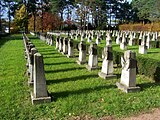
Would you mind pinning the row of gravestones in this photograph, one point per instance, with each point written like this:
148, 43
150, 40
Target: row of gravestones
146, 40
35, 71
128, 76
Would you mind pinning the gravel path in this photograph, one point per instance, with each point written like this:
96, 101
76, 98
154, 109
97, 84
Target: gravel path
153, 115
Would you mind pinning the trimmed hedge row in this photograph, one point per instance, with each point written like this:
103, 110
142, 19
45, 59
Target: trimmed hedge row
140, 27
148, 67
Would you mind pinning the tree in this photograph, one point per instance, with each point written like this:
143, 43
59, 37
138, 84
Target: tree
21, 17
50, 22
147, 9
2, 8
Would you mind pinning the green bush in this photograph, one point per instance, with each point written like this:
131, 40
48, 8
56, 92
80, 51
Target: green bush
149, 67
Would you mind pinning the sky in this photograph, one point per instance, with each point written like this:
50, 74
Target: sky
5, 14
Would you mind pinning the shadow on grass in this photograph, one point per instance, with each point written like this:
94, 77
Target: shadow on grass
54, 57
148, 85
63, 70
58, 63
152, 52
64, 94
118, 76
47, 50
48, 53
83, 77
5, 39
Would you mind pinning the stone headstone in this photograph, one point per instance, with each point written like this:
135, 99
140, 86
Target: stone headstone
128, 75
98, 40
118, 39
107, 64
70, 48
123, 44
131, 40
143, 47
57, 42
89, 38
82, 53
65, 45
40, 94
61, 44
108, 39
148, 41
93, 57
31, 66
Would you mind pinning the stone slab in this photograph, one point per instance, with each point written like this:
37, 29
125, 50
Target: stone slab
30, 83
127, 89
105, 76
80, 63
40, 100
70, 56
92, 68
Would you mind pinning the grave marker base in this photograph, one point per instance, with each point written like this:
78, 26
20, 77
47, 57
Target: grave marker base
70, 56
105, 76
91, 68
127, 89
80, 62
40, 100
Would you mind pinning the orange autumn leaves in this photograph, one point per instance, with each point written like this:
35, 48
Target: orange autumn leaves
50, 22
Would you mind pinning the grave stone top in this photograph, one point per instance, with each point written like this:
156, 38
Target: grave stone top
93, 49
108, 52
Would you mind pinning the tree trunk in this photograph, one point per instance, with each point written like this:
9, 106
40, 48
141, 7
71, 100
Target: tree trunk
34, 24
9, 18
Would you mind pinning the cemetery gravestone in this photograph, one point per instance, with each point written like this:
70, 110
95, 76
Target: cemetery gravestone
128, 75
82, 53
93, 57
39, 94
107, 64
70, 48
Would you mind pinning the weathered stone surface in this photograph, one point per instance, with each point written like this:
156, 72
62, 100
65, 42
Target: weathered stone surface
30, 82
82, 53
128, 75
107, 64
40, 94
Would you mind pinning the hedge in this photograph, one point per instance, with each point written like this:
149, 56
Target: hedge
140, 27
145, 66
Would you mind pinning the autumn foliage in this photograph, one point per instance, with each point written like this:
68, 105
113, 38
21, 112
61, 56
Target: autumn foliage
50, 22
141, 27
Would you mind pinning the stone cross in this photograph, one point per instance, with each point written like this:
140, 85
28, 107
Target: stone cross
128, 75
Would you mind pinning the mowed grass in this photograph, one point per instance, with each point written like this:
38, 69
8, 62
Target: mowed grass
75, 91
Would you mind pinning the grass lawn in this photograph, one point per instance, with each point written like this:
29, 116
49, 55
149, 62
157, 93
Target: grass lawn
75, 90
